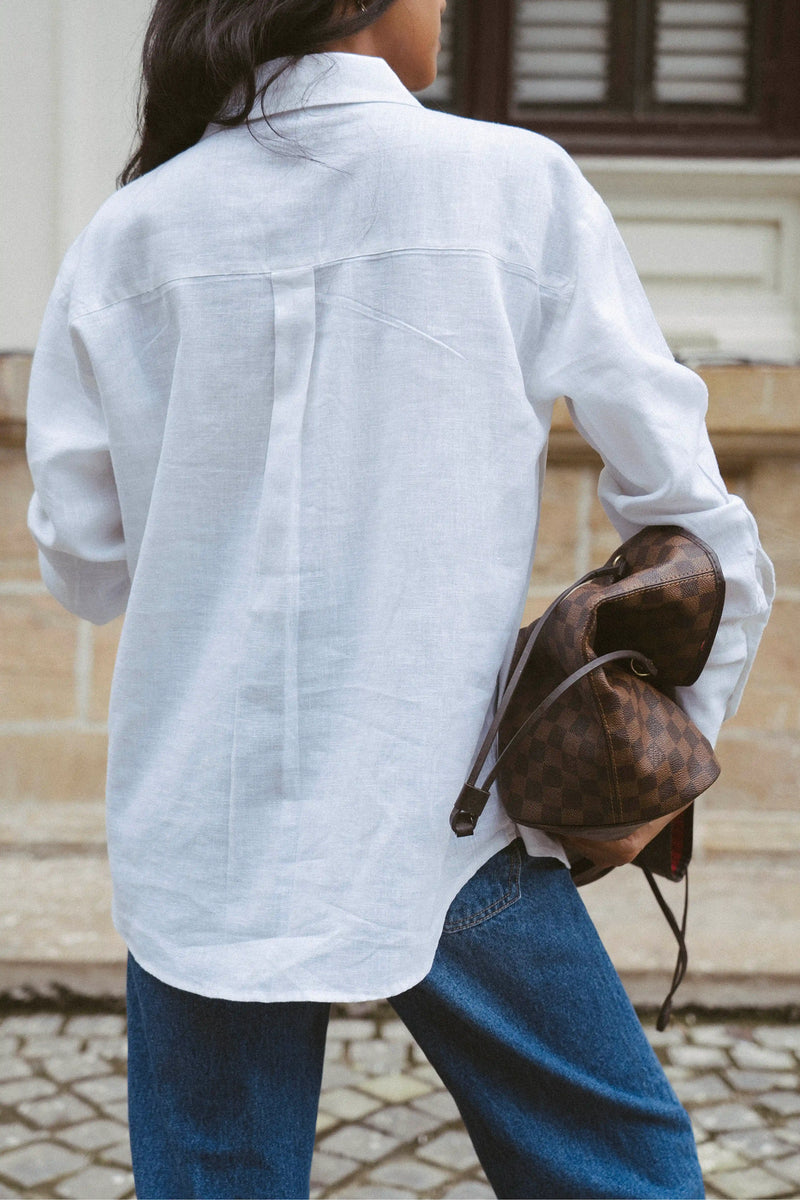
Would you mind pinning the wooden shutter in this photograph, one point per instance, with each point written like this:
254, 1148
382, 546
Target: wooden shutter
560, 52
702, 52
702, 77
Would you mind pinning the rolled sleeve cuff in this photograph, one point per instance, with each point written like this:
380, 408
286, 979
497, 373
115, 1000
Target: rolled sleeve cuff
95, 591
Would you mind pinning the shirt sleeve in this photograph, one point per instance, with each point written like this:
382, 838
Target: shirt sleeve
644, 413
74, 513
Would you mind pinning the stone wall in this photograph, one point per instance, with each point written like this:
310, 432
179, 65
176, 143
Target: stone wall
55, 670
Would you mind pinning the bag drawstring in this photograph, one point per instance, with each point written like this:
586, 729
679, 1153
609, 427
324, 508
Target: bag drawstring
587, 872
665, 1012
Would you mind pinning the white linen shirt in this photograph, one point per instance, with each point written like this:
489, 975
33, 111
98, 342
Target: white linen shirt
289, 411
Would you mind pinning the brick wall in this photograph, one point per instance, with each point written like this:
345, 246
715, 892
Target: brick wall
55, 670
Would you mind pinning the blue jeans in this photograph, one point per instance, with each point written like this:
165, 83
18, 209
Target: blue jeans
522, 1015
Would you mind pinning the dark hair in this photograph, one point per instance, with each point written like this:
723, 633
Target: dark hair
199, 54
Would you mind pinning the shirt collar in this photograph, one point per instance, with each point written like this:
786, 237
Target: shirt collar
328, 77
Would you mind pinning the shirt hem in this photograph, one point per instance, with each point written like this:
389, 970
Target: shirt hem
138, 949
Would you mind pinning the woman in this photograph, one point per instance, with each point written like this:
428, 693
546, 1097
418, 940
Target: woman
289, 412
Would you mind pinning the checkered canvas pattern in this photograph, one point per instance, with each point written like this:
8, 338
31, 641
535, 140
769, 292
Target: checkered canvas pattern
616, 749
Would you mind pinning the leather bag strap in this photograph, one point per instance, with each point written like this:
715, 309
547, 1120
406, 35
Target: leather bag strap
472, 798
679, 931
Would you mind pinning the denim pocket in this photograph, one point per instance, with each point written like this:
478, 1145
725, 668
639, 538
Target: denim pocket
493, 888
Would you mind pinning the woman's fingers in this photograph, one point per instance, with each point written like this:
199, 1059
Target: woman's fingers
622, 850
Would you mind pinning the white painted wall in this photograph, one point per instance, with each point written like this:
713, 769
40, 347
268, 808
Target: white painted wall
717, 242
68, 77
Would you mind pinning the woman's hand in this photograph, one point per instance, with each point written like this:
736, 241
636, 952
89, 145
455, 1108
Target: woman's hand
623, 850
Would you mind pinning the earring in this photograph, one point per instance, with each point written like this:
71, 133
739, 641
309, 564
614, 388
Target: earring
362, 5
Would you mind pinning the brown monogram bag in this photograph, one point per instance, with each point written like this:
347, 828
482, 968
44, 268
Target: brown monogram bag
590, 739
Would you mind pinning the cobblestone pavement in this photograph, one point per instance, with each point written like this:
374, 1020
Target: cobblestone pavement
387, 1127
